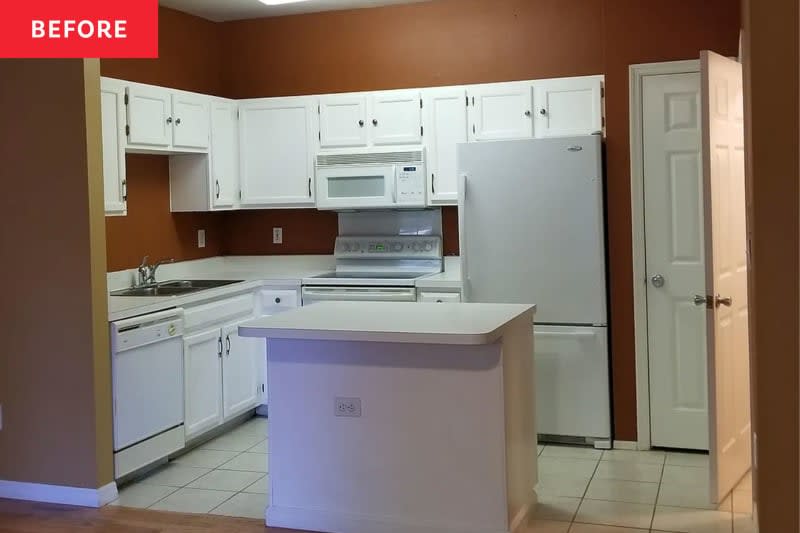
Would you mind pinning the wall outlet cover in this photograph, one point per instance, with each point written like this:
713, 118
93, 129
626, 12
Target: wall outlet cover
350, 407
277, 235
201, 238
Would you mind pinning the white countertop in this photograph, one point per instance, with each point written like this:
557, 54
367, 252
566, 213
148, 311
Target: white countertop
269, 271
434, 323
254, 271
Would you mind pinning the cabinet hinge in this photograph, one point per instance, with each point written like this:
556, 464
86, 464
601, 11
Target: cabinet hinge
603, 121
421, 131
127, 130
602, 92
473, 128
126, 98
420, 103
319, 134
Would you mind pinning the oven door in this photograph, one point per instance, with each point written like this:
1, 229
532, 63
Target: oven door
358, 294
365, 187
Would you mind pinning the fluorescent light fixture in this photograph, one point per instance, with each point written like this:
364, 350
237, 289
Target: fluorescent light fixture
279, 2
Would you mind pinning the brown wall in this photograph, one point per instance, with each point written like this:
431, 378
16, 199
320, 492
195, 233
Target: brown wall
54, 366
770, 53
447, 42
189, 59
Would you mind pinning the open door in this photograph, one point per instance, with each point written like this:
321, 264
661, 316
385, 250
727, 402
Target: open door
726, 273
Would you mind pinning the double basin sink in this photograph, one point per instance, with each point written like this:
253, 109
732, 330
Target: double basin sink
175, 288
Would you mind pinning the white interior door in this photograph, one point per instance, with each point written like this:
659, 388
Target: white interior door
726, 272
675, 257
396, 117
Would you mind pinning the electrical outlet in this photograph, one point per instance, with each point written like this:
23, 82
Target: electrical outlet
201, 238
348, 407
277, 235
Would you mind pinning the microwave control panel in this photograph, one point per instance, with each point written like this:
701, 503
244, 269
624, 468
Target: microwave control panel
411, 184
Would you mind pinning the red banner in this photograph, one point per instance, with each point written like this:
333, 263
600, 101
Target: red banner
79, 28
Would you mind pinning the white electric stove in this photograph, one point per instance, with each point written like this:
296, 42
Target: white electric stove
376, 268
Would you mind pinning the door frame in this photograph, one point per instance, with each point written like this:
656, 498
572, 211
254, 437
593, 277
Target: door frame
637, 73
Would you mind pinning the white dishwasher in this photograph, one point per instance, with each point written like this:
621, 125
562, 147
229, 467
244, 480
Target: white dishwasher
147, 384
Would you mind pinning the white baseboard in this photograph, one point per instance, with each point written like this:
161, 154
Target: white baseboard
315, 520
626, 445
38, 492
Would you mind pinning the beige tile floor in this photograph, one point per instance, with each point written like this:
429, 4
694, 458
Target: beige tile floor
580, 490
225, 476
618, 491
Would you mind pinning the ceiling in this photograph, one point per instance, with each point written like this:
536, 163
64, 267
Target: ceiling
223, 10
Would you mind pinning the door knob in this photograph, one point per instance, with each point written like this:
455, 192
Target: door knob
726, 301
657, 281
699, 299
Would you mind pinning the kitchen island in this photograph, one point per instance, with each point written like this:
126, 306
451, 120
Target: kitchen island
389, 417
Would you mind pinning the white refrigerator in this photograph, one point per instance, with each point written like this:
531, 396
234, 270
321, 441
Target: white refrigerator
532, 231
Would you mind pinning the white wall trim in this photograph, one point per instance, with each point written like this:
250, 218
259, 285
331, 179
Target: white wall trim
317, 520
637, 73
38, 492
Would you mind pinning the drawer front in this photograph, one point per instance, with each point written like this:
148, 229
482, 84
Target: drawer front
273, 300
217, 312
439, 297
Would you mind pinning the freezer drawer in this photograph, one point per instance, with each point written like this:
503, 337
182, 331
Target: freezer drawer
572, 383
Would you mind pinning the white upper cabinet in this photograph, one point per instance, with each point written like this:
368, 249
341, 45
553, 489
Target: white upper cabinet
190, 120
343, 121
224, 154
568, 106
445, 122
112, 111
396, 117
278, 145
149, 116
501, 111
165, 120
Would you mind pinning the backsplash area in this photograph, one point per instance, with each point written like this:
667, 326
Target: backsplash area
151, 229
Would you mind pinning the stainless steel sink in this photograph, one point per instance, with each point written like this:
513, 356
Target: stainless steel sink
175, 287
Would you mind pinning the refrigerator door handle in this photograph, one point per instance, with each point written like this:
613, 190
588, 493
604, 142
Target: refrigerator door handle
462, 223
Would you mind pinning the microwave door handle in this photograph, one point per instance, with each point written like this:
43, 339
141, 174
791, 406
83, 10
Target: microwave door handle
394, 184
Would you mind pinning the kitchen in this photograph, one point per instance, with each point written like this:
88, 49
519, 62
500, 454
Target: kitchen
278, 235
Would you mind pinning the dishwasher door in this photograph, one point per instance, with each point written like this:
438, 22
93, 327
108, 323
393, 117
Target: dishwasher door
147, 376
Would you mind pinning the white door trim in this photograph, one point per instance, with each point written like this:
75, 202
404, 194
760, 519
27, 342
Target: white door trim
637, 73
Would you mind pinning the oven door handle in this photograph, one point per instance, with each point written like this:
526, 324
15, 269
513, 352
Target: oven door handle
400, 295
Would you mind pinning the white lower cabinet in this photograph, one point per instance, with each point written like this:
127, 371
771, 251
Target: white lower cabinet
222, 378
241, 388
439, 297
202, 375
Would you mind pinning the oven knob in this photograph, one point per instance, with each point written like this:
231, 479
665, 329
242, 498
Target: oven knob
428, 246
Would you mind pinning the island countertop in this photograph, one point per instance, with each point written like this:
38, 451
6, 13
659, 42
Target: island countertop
434, 323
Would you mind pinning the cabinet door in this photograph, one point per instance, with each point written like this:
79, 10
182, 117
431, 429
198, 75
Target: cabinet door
112, 110
224, 154
202, 374
149, 116
569, 106
343, 121
396, 117
278, 146
190, 120
501, 111
445, 112
241, 358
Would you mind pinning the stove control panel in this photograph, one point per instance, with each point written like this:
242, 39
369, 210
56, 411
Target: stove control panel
413, 247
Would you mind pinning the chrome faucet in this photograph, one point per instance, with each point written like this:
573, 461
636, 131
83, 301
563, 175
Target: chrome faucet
147, 273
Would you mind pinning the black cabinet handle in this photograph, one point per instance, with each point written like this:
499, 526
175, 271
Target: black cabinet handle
361, 123
219, 347
227, 344
277, 300
217, 183
374, 121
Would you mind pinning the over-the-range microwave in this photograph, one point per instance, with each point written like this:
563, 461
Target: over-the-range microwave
378, 179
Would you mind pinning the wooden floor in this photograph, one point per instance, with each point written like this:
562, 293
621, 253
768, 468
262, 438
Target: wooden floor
30, 517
